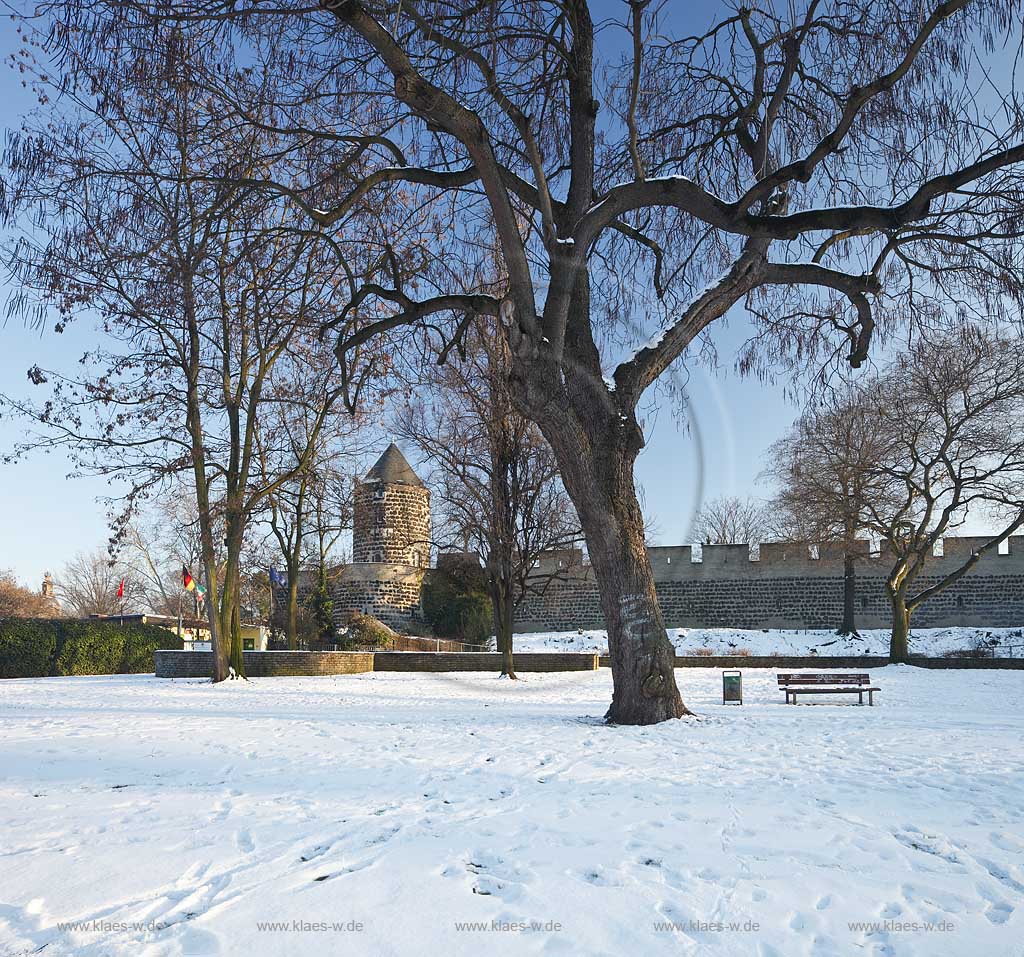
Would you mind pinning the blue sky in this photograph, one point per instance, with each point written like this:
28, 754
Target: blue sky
48, 517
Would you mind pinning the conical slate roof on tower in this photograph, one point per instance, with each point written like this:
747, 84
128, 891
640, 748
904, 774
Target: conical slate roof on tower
393, 469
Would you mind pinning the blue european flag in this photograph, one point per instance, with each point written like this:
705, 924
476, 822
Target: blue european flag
276, 578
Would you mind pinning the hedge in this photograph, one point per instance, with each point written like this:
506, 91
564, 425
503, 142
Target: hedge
365, 633
43, 647
456, 604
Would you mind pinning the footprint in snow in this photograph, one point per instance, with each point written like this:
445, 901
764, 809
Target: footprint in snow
1006, 842
670, 912
197, 942
998, 910
244, 841
1001, 874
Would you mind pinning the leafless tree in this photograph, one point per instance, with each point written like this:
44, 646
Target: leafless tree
948, 417
161, 540
89, 585
827, 469
209, 302
829, 165
17, 601
731, 520
909, 454
501, 494
306, 433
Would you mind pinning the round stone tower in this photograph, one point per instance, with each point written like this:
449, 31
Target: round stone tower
391, 521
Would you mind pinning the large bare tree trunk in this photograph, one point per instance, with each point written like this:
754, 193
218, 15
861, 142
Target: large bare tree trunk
230, 618
899, 641
848, 626
502, 606
643, 659
596, 455
292, 623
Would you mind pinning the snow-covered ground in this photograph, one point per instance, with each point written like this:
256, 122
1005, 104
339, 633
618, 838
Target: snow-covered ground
400, 814
728, 641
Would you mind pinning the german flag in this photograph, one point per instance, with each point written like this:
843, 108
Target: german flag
190, 584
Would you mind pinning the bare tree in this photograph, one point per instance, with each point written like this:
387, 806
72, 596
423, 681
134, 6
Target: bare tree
951, 413
936, 439
90, 582
209, 303
17, 601
731, 520
163, 539
827, 469
797, 159
307, 516
500, 489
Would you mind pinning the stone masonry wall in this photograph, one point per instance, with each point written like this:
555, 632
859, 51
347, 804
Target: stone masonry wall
265, 664
786, 588
391, 523
388, 592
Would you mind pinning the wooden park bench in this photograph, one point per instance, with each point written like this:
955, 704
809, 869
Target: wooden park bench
819, 683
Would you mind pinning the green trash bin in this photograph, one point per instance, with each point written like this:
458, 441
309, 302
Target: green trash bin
732, 687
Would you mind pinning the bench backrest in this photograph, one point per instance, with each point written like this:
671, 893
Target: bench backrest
818, 678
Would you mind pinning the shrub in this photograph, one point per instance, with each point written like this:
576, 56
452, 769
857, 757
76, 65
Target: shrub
39, 647
86, 649
27, 647
365, 633
475, 618
307, 631
321, 609
973, 652
701, 652
456, 603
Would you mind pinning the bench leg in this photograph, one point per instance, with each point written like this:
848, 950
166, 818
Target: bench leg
871, 699
860, 697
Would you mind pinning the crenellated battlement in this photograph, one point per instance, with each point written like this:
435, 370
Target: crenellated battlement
784, 585
787, 559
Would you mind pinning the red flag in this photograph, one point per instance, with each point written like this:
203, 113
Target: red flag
120, 589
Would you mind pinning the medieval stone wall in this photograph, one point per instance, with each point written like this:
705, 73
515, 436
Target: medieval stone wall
388, 592
786, 587
391, 523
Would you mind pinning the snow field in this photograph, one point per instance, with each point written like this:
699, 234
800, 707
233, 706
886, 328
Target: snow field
465, 814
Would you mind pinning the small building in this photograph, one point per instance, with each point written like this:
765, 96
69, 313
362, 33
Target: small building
195, 632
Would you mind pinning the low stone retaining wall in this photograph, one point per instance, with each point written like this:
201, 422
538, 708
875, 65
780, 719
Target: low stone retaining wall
823, 663
482, 661
266, 664
1010, 664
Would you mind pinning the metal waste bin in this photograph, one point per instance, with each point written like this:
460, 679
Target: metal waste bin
732, 687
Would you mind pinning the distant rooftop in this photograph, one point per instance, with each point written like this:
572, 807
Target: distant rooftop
393, 469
